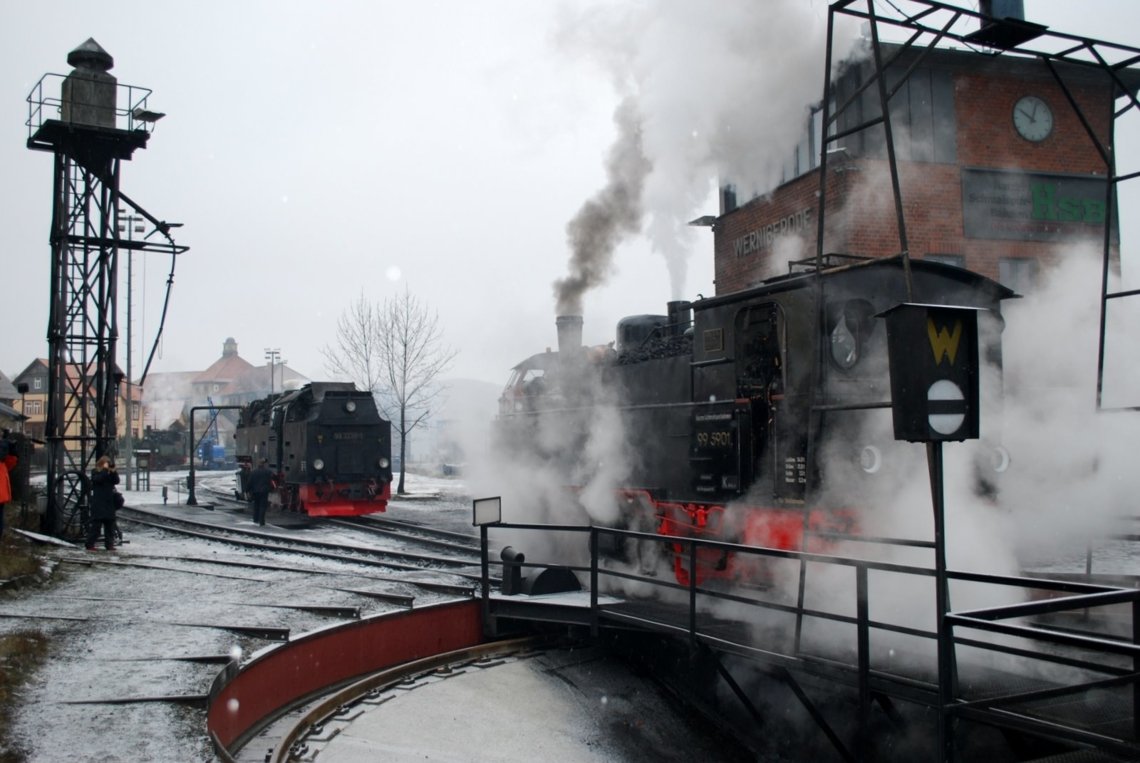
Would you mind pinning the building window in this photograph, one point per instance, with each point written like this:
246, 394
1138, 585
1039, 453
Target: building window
38, 383
956, 260
923, 121
1018, 273
35, 407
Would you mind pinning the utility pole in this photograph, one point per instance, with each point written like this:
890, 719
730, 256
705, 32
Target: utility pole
272, 355
131, 225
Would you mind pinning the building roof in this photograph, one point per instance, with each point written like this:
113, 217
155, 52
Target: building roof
33, 367
225, 370
75, 372
7, 388
9, 412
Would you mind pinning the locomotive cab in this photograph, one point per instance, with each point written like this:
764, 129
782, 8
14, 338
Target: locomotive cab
532, 385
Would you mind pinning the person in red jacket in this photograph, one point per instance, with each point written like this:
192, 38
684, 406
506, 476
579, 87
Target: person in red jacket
8, 462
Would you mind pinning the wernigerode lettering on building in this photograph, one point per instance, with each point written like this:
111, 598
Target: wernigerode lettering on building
764, 236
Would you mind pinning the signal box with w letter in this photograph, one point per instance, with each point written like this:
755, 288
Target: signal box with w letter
933, 352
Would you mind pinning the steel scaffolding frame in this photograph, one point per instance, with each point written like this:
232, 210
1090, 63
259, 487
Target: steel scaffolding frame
82, 335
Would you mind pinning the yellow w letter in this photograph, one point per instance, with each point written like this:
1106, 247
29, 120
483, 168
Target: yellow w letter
943, 341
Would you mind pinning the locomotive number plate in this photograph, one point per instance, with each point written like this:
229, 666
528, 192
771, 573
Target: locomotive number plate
717, 439
348, 435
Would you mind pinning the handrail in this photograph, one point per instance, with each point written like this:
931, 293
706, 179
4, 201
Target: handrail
1096, 653
41, 106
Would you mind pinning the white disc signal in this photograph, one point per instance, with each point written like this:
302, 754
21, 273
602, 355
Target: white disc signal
946, 423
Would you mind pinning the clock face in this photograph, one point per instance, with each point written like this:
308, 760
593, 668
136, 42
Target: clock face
1033, 118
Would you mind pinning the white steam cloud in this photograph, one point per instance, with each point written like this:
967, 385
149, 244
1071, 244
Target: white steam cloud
1074, 476
708, 92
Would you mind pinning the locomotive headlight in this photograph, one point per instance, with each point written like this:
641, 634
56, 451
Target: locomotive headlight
383, 463
999, 459
318, 464
350, 406
870, 459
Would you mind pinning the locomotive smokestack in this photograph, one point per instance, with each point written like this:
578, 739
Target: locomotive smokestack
680, 316
569, 333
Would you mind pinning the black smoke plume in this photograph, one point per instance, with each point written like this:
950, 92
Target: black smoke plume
612, 214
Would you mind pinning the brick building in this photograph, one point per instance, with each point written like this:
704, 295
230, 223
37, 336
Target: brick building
997, 171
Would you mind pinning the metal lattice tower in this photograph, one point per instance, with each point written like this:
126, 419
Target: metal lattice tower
90, 135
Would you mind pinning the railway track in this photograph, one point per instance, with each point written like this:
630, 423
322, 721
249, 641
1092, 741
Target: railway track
393, 558
394, 528
375, 524
146, 628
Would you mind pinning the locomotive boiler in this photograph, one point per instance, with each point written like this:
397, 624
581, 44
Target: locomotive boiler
329, 448
758, 417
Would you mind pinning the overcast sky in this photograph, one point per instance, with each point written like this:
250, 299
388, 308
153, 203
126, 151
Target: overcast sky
315, 151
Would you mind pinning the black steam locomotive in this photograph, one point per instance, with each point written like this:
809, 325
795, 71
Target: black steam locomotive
329, 448
749, 416
166, 448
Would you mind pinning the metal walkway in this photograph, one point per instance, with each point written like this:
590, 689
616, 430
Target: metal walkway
1051, 669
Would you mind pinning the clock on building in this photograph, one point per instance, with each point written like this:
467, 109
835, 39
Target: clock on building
1033, 118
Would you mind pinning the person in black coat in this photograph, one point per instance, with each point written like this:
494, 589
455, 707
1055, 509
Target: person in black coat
260, 483
103, 505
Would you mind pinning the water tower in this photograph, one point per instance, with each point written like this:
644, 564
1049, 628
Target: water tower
91, 126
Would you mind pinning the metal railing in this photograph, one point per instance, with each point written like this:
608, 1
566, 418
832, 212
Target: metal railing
1053, 628
43, 106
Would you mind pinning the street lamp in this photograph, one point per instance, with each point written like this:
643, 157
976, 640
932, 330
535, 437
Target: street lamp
273, 356
131, 225
22, 388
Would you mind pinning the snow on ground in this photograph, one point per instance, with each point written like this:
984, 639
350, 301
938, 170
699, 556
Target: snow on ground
137, 616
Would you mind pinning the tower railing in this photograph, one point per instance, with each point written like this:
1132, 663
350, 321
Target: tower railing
45, 104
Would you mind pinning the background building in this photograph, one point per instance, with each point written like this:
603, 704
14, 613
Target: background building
10, 416
998, 172
165, 403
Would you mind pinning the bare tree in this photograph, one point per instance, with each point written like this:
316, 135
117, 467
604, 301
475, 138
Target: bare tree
413, 356
396, 352
357, 354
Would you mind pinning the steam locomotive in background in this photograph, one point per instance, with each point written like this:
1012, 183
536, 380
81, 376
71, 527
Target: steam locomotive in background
329, 448
166, 448
759, 417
